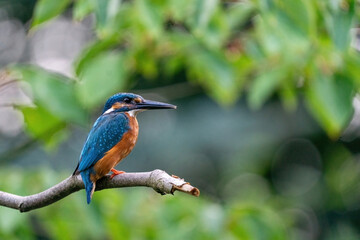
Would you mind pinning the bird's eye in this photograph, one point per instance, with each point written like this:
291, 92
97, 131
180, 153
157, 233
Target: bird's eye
127, 100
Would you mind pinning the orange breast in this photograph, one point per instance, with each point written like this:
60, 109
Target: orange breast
118, 152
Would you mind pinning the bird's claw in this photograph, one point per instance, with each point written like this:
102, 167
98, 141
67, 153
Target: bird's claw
115, 172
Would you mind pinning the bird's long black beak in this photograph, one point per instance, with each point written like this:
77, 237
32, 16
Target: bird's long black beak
147, 105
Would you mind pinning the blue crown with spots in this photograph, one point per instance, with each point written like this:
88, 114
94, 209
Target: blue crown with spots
119, 97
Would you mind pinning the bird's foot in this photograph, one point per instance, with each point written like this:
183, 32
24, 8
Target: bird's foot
115, 172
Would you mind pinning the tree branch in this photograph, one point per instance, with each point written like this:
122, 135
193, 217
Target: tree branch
159, 180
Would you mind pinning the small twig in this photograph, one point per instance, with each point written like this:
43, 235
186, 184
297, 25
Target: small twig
159, 180
7, 83
6, 105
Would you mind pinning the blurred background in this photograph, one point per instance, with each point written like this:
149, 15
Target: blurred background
267, 125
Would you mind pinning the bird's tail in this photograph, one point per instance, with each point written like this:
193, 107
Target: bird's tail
89, 185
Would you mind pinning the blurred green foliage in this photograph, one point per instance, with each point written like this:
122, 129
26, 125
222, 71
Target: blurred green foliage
292, 49
297, 50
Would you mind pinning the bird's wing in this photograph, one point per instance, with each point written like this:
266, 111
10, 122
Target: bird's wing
106, 133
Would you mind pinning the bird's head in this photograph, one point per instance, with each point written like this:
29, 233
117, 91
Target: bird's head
132, 103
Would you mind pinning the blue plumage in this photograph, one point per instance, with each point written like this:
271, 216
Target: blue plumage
89, 185
105, 134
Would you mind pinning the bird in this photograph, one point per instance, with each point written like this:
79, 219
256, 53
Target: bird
112, 137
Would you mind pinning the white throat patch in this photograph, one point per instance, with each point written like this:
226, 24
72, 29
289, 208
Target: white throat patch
109, 110
134, 112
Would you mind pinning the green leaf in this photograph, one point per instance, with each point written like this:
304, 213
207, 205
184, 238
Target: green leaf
339, 23
150, 17
264, 85
330, 101
54, 92
47, 9
44, 126
82, 8
351, 67
239, 13
105, 12
209, 24
299, 15
179, 10
280, 33
93, 50
342, 23
215, 73
100, 77
268, 37
203, 12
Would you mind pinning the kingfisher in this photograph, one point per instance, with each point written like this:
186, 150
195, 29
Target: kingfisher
112, 137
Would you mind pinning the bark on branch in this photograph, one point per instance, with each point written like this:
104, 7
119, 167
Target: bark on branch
159, 180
